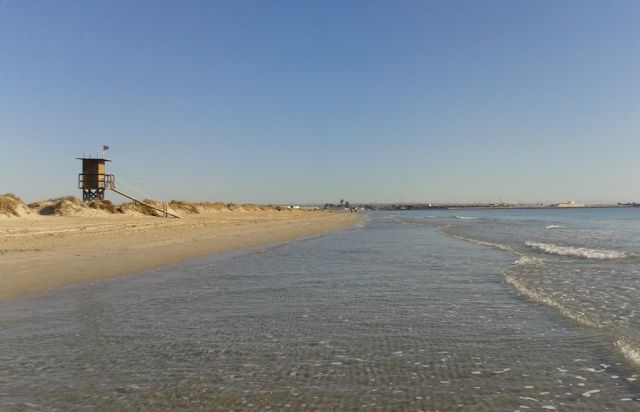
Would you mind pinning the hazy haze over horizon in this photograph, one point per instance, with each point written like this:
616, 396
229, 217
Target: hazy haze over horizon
252, 101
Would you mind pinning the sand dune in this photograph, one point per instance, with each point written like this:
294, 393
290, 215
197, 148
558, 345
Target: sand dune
38, 252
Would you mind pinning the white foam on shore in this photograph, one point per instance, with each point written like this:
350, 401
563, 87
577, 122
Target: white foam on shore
545, 299
528, 260
442, 230
541, 297
628, 349
573, 251
626, 346
555, 227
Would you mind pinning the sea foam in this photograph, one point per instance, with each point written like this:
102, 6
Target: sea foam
574, 251
629, 348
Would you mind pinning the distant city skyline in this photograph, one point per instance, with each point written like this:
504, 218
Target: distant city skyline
311, 102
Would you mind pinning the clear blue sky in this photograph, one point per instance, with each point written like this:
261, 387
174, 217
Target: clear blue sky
300, 101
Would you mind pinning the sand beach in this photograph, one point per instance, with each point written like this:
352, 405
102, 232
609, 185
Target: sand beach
38, 252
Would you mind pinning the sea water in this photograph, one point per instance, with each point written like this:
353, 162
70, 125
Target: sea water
445, 310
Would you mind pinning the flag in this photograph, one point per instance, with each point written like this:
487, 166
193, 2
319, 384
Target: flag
105, 148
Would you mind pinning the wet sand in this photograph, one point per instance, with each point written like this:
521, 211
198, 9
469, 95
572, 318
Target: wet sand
43, 252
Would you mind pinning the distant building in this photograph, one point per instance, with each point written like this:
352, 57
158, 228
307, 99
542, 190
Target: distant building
570, 203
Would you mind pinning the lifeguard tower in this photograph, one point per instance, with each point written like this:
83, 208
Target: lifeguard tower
93, 180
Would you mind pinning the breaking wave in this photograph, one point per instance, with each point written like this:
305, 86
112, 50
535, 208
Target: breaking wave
512, 277
444, 231
522, 277
628, 348
581, 252
625, 345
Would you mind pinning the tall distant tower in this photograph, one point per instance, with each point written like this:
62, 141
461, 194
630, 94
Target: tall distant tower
93, 180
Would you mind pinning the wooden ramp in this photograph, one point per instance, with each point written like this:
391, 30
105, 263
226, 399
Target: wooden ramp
164, 211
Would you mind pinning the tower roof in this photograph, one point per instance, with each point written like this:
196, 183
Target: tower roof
94, 158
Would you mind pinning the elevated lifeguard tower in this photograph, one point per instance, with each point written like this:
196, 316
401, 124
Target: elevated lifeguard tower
93, 180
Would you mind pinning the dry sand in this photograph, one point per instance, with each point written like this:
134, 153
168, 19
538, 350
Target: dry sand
42, 252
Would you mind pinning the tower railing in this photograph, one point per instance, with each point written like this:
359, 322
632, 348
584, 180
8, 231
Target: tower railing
96, 181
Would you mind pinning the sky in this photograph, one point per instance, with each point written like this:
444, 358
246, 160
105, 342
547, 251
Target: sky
317, 101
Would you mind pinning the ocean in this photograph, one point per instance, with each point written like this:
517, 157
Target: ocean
483, 310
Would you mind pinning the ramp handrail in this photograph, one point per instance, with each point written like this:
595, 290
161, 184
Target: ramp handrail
112, 187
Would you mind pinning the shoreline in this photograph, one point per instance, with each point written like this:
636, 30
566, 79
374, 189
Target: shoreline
48, 252
422, 209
